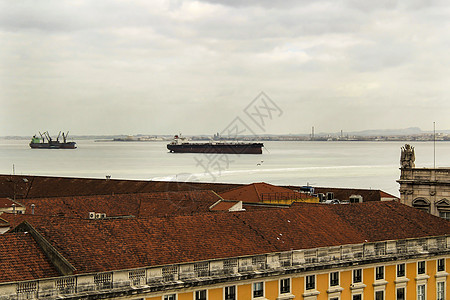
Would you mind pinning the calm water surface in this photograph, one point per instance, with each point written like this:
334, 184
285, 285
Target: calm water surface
333, 164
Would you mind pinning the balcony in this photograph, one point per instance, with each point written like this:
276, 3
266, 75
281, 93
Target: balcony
180, 274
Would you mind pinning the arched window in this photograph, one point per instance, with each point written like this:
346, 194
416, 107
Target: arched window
421, 203
443, 207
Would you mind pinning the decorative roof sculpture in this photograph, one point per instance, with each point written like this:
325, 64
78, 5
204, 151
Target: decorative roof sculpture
407, 157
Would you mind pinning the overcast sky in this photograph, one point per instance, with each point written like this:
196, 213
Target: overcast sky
162, 67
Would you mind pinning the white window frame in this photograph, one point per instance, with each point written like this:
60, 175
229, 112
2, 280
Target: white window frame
195, 293
396, 270
166, 296
360, 294
425, 267
377, 291
384, 273
353, 276
424, 291
235, 291
290, 285
400, 287
329, 279
444, 290
253, 290
437, 264
315, 282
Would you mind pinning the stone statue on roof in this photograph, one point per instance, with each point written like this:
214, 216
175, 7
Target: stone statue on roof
407, 157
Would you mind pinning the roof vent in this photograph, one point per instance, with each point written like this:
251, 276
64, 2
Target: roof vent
92, 215
32, 208
108, 177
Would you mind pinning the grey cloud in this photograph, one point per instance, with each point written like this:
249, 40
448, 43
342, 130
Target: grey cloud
144, 64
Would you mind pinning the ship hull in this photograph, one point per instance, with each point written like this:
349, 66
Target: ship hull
69, 145
244, 148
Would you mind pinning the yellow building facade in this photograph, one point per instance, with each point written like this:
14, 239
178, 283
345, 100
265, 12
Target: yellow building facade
406, 279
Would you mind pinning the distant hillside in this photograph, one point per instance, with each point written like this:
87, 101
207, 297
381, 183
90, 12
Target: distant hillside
387, 132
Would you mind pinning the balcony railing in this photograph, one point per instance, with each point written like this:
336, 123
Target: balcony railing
208, 270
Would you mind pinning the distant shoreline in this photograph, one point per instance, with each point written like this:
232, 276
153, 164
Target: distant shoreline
422, 137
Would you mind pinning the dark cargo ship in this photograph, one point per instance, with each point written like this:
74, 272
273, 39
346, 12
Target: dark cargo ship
46, 142
180, 145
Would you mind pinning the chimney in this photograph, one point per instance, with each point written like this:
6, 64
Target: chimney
14, 208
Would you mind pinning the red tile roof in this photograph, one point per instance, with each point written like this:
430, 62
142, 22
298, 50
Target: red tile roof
177, 203
27, 186
138, 205
22, 259
102, 245
256, 191
5, 203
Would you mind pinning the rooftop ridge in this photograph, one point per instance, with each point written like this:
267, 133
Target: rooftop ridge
56, 258
257, 191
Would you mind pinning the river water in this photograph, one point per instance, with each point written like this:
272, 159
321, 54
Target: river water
364, 165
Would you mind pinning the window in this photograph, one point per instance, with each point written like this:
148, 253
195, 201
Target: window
200, 295
310, 282
401, 268
379, 273
258, 289
357, 276
230, 292
421, 292
357, 297
334, 278
379, 295
422, 204
440, 291
285, 286
170, 297
401, 293
441, 264
421, 267
444, 214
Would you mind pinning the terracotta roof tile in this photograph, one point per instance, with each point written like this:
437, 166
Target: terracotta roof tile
138, 205
27, 186
22, 259
101, 245
5, 203
255, 192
